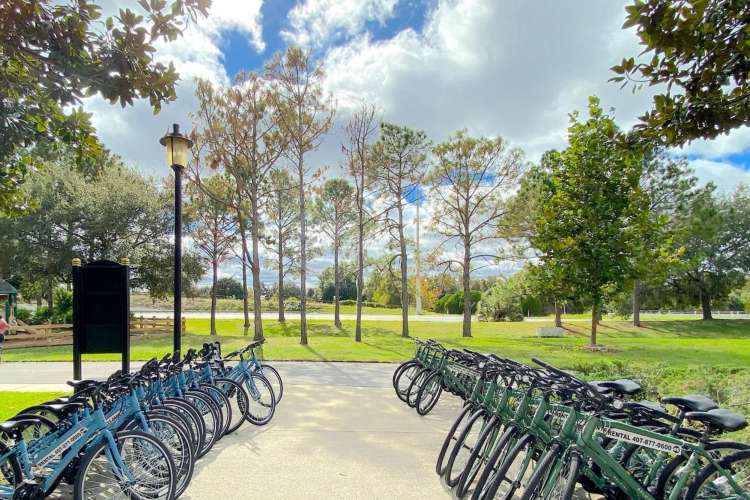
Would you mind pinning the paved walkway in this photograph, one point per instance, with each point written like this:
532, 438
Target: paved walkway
339, 433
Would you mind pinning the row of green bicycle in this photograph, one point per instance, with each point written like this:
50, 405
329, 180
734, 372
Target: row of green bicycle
539, 432
136, 435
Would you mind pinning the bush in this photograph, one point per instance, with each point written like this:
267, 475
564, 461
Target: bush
453, 303
292, 304
41, 315
502, 302
24, 315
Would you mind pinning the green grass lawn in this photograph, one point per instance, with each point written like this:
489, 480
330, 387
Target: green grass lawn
13, 402
711, 357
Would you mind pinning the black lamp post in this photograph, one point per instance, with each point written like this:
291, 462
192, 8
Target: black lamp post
177, 146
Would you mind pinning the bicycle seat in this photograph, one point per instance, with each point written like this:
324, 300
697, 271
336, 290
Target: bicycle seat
62, 409
650, 408
13, 428
691, 402
719, 419
621, 386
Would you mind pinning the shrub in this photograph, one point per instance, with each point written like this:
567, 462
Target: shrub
292, 304
453, 303
41, 315
502, 302
24, 315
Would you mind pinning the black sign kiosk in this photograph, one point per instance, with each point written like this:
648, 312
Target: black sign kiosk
101, 311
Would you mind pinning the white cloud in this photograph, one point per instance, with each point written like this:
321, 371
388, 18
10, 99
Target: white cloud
735, 141
315, 22
725, 175
495, 67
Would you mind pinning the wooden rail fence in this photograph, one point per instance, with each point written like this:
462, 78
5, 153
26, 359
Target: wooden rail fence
47, 335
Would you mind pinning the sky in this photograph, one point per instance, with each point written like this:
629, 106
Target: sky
492, 67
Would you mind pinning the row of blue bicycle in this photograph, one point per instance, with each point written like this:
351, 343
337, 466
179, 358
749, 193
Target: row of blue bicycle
137, 435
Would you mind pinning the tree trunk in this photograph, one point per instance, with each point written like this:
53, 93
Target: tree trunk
706, 306
214, 279
336, 285
50, 295
243, 238
467, 290
282, 317
404, 275
558, 315
594, 323
255, 267
360, 255
637, 303
302, 256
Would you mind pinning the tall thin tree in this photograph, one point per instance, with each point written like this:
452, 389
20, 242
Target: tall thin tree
469, 178
282, 221
333, 214
305, 114
399, 156
359, 132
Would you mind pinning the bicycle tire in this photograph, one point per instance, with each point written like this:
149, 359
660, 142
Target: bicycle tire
474, 462
216, 407
705, 474
204, 406
255, 399
415, 385
526, 441
663, 488
541, 472
159, 451
236, 395
451, 476
399, 369
10, 470
432, 380
177, 442
465, 414
503, 446
407, 375
223, 403
275, 379
197, 424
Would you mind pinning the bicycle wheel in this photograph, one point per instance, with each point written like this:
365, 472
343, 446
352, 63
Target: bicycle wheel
190, 415
149, 472
668, 476
223, 403
175, 438
453, 433
399, 370
514, 472
429, 393
238, 400
544, 471
465, 446
272, 375
205, 407
711, 484
415, 385
478, 456
262, 401
504, 445
10, 469
404, 380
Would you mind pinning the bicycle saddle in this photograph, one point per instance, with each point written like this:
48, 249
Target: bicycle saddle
650, 408
691, 402
62, 409
14, 428
621, 386
719, 419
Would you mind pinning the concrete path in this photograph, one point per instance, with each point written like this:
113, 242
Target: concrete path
445, 318
339, 433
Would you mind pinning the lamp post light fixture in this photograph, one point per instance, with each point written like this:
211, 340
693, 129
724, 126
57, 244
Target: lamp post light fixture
177, 147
